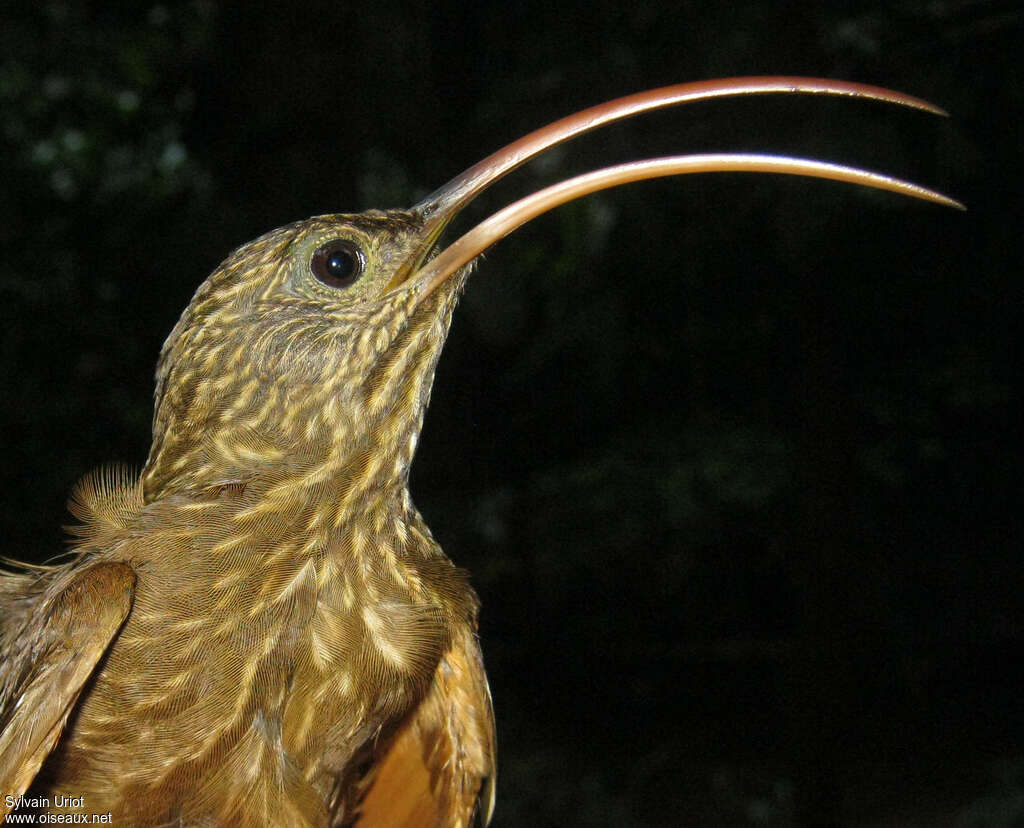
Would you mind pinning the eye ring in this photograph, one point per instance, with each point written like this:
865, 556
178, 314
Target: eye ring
337, 263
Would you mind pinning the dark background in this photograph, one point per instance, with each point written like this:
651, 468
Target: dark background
731, 458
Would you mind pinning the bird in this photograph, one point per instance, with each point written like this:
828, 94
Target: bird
259, 629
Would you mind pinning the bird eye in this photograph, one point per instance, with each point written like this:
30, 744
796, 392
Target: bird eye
338, 263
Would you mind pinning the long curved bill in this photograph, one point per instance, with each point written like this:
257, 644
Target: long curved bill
441, 206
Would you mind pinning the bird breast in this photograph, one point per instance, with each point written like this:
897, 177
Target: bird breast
264, 665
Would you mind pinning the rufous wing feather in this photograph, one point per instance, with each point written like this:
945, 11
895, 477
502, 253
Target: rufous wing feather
54, 654
439, 771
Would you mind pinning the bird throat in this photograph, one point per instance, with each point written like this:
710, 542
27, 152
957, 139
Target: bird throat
321, 454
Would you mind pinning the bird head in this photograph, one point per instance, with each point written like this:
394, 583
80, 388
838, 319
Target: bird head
299, 350
311, 351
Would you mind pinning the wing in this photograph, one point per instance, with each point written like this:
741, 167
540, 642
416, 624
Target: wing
50, 661
440, 770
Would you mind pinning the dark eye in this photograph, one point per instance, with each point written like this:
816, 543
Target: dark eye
338, 263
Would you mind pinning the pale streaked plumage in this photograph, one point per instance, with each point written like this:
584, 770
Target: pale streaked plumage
291, 608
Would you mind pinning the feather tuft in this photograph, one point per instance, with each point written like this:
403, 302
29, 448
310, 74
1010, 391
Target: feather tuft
104, 501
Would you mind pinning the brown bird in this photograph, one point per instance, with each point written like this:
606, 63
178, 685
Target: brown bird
260, 629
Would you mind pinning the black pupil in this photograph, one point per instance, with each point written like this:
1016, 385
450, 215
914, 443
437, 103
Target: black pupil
335, 265
340, 264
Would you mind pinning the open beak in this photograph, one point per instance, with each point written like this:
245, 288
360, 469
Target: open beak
441, 206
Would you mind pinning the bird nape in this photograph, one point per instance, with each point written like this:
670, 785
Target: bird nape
260, 629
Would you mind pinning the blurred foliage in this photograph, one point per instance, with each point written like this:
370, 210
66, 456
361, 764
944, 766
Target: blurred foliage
733, 461
93, 107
